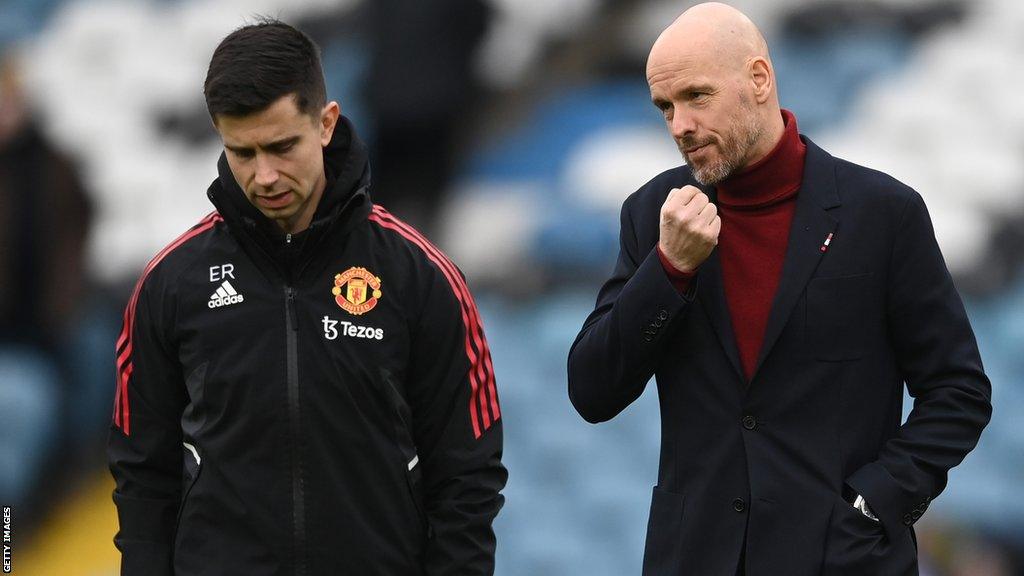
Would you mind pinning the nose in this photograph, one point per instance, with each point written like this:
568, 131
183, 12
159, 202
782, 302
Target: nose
683, 123
266, 173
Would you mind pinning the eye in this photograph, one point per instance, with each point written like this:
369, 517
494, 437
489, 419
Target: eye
244, 154
283, 148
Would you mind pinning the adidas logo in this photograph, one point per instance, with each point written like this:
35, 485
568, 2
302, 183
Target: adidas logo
225, 296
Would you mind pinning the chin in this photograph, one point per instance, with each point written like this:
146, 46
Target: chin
278, 213
710, 174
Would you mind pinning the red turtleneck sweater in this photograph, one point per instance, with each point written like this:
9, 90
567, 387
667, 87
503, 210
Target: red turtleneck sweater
756, 207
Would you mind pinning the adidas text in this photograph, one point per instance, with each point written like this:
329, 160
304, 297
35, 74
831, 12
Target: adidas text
225, 301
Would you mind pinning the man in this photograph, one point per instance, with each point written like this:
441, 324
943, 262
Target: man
780, 356
45, 215
304, 386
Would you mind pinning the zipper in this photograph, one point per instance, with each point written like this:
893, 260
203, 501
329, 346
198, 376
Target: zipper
195, 453
293, 326
187, 489
298, 499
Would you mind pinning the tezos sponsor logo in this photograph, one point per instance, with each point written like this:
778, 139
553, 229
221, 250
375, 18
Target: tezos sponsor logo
335, 328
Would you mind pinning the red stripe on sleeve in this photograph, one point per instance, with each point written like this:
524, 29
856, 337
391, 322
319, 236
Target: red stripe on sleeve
484, 368
123, 350
483, 403
470, 352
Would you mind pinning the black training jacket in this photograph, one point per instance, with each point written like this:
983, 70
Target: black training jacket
313, 404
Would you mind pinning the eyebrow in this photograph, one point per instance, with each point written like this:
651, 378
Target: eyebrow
275, 146
695, 87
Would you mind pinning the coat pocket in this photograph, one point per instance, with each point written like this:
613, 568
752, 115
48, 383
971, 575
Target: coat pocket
191, 468
664, 548
405, 443
838, 312
857, 546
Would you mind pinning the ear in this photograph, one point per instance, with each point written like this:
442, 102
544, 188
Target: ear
763, 79
328, 121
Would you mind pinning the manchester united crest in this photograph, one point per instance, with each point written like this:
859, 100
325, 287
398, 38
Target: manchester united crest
356, 290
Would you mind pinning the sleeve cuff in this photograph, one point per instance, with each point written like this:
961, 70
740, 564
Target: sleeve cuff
680, 280
888, 501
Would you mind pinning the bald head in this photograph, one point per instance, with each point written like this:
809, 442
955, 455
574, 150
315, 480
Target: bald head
710, 32
711, 76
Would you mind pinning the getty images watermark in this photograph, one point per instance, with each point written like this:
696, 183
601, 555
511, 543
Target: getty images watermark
7, 539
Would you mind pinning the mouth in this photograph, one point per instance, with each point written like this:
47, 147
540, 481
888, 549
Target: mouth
275, 200
699, 154
693, 149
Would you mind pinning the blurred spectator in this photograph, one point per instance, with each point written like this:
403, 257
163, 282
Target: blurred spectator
419, 93
44, 216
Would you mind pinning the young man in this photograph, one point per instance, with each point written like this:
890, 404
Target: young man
781, 297
304, 386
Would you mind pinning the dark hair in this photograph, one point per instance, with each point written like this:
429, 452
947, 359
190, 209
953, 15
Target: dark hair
257, 64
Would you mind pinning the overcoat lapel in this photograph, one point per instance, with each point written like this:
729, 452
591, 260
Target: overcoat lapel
711, 293
812, 224
712, 296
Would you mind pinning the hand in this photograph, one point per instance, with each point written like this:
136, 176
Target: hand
689, 228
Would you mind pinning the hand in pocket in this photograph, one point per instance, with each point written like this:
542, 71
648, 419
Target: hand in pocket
859, 546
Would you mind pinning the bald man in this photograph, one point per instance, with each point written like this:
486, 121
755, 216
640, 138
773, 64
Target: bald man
782, 298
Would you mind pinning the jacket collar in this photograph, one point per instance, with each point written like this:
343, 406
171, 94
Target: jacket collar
345, 203
813, 221
348, 175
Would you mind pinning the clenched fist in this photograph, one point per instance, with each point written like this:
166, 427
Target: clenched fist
689, 228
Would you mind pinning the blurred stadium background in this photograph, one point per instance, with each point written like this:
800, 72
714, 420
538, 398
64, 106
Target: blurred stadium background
511, 130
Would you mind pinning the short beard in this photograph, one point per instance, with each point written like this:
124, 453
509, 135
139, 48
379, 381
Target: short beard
745, 133
713, 172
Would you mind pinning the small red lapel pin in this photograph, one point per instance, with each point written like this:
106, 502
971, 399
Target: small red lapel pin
828, 240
